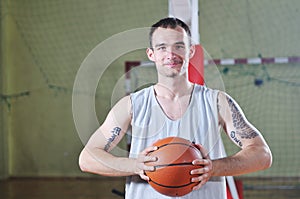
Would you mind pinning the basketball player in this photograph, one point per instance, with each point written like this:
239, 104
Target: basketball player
175, 107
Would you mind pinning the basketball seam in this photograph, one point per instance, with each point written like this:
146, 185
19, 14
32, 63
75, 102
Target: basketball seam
173, 164
175, 143
170, 186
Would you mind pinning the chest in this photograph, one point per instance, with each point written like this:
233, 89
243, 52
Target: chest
174, 108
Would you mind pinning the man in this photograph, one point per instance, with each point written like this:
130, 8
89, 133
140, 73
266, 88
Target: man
175, 107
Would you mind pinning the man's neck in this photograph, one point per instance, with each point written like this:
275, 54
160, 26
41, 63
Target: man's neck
173, 88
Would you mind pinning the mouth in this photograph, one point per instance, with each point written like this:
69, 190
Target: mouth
173, 64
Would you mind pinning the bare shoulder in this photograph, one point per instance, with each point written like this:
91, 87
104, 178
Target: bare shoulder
223, 97
123, 105
227, 103
119, 116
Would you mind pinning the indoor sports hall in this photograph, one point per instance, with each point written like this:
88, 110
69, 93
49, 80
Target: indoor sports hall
65, 63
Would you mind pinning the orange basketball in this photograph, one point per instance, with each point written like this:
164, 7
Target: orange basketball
173, 166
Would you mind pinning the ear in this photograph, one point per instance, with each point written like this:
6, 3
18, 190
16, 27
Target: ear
192, 51
150, 54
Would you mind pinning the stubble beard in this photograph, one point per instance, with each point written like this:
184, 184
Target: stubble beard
172, 73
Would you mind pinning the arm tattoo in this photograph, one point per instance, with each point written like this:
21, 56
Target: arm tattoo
115, 132
243, 130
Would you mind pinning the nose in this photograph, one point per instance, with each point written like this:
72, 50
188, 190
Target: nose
170, 53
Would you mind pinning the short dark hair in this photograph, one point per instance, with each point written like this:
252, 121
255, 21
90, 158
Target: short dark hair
169, 22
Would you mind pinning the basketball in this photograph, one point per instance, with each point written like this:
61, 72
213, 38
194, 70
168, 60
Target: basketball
172, 176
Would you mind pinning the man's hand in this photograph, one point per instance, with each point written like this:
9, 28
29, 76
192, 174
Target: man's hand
206, 171
140, 166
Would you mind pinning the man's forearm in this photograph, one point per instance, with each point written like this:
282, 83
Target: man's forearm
249, 160
102, 163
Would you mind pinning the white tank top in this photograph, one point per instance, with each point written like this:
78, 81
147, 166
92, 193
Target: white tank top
198, 124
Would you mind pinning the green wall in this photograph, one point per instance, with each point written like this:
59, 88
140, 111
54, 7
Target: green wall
43, 44
4, 122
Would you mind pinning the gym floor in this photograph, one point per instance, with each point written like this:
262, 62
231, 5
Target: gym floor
113, 188
62, 188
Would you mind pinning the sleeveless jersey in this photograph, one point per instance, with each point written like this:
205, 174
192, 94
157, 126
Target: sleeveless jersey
198, 124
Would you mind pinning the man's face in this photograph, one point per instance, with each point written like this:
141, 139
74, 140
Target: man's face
170, 51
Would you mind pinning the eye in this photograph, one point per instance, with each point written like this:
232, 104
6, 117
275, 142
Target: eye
180, 47
161, 48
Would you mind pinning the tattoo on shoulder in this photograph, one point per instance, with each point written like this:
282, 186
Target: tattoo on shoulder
242, 128
114, 133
